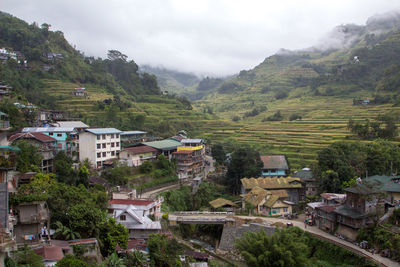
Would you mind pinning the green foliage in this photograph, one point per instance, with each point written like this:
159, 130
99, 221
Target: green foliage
63, 168
342, 161
27, 257
111, 234
244, 162
167, 166
65, 233
283, 248
395, 217
255, 111
71, 261
117, 175
134, 259
28, 158
277, 116
218, 153
113, 261
371, 130
163, 251
294, 117
159, 181
17, 117
281, 95
146, 167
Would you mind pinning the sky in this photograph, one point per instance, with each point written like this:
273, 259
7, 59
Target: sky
205, 37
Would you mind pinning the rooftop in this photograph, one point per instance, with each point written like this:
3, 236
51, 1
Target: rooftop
135, 202
385, 183
189, 141
103, 131
164, 144
140, 149
363, 189
44, 138
132, 132
349, 212
52, 253
275, 162
304, 174
221, 202
73, 124
271, 183
47, 129
331, 196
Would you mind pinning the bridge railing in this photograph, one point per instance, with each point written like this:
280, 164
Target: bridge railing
202, 213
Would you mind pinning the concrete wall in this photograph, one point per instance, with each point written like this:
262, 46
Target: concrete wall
347, 232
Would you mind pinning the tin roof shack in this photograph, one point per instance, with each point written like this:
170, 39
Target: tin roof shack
362, 207
274, 166
133, 214
32, 217
306, 176
133, 137
293, 186
165, 147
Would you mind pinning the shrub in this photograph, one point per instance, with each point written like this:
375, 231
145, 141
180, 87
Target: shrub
281, 95
276, 117
294, 117
146, 167
236, 118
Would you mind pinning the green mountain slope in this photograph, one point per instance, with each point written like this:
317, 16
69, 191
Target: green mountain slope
118, 95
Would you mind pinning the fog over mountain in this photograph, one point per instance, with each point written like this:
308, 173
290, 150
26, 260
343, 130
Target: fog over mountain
204, 37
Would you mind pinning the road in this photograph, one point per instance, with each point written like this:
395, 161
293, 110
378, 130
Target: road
153, 193
314, 230
209, 168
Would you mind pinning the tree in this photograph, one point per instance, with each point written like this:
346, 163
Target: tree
65, 233
113, 261
71, 261
286, 247
28, 158
111, 234
163, 251
63, 168
244, 162
218, 153
135, 259
27, 257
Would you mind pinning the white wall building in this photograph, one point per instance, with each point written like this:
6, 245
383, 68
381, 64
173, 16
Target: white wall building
100, 145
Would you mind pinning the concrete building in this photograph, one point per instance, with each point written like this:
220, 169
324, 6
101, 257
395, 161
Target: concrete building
100, 146
135, 156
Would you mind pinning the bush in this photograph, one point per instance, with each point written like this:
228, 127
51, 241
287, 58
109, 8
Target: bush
236, 118
276, 117
146, 167
281, 95
294, 117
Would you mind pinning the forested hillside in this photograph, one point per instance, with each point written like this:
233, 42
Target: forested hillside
47, 69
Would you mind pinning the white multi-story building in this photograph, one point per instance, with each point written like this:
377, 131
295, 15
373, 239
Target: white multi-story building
100, 145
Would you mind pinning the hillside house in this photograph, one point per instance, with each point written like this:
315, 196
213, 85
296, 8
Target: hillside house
293, 186
65, 136
165, 147
325, 212
274, 166
99, 146
361, 207
388, 184
134, 215
135, 156
47, 147
189, 163
32, 219
310, 183
80, 92
265, 202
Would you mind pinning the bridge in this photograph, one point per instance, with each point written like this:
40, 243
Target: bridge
200, 217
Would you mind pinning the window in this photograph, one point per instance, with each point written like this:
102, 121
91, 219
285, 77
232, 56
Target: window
112, 153
122, 218
98, 146
112, 135
103, 145
104, 154
284, 209
117, 144
103, 136
59, 135
112, 144
51, 134
98, 137
117, 136
99, 155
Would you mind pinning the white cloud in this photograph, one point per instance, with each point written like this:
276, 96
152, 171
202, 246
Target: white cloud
220, 36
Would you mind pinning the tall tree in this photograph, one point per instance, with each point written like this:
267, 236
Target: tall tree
29, 158
163, 251
244, 162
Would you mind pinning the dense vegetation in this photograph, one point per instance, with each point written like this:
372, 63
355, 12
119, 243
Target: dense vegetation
293, 247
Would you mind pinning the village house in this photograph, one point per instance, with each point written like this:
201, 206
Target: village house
268, 203
274, 166
222, 204
134, 215
165, 147
388, 184
47, 147
324, 212
361, 208
80, 92
293, 186
306, 176
129, 138
65, 136
135, 156
45, 116
100, 146
33, 220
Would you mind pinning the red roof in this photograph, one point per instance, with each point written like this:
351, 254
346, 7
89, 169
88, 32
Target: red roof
50, 253
136, 202
33, 135
140, 149
82, 241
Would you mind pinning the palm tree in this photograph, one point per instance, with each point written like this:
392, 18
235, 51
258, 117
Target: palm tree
113, 261
65, 232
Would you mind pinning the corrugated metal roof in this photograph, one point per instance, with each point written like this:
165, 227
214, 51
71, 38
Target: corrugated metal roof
48, 129
73, 124
33, 135
140, 149
275, 162
163, 144
185, 141
104, 131
132, 132
271, 183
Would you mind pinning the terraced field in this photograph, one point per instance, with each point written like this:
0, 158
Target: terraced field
324, 122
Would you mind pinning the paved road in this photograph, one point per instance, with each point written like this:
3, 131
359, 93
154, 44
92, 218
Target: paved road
153, 193
330, 238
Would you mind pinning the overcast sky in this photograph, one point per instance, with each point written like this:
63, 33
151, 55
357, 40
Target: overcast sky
218, 37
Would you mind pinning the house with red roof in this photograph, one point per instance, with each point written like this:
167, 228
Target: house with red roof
135, 215
46, 145
135, 156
